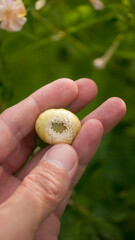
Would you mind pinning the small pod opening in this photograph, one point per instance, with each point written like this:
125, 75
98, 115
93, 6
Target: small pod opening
58, 127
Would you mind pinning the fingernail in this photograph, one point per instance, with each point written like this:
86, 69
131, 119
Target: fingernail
62, 155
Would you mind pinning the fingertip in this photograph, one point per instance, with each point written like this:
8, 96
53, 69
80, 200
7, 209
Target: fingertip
121, 105
87, 91
68, 84
89, 83
96, 125
62, 155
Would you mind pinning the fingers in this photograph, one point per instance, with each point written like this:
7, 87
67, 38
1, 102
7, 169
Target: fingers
49, 229
18, 121
87, 91
33, 163
21, 153
86, 145
109, 113
89, 138
8, 185
39, 194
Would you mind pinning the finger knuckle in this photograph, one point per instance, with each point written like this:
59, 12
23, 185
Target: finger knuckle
47, 184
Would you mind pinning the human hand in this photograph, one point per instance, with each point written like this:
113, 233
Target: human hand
33, 201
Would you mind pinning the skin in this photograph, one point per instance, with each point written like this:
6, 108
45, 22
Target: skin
33, 201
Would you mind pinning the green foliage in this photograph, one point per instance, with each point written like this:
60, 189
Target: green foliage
62, 40
77, 16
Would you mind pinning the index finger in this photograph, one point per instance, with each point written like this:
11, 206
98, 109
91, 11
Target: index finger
18, 121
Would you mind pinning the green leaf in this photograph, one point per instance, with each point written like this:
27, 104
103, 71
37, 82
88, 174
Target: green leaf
78, 15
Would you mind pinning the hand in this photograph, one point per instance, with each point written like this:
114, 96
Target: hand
33, 201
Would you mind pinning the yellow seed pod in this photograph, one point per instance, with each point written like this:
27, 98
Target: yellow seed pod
57, 126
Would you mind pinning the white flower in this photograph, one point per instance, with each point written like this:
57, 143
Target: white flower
12, 15
39, 4
97, 4
99, 63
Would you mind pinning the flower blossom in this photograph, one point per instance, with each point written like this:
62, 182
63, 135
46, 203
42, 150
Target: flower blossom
97, 4
12, 15
100, 63
40, 4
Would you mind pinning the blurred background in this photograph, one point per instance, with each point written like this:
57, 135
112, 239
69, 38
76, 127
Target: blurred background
74, 39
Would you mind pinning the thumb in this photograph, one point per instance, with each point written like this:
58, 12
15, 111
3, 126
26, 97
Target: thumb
40, 192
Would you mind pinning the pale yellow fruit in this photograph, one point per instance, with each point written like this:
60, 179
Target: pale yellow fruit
57, 126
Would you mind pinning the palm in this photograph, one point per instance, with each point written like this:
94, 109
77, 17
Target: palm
18, 137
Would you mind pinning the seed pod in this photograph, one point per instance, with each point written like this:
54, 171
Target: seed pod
57, 126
